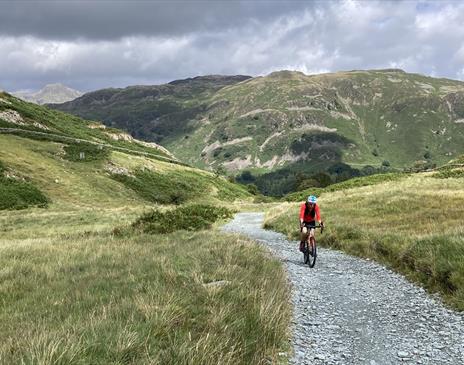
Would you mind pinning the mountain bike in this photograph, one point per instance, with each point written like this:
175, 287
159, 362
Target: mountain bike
310, 248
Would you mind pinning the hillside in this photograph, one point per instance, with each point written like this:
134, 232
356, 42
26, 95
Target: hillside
52, 93
82, 163
291, 119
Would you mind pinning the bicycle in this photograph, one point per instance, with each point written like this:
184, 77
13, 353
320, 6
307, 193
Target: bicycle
310, 248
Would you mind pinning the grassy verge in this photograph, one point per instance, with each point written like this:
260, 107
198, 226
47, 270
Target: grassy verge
77, 294
141, 300
413, 225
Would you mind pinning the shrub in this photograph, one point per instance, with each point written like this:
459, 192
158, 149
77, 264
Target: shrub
252, 189
16, 194
449, 174
193, 217
88, 152
386, 163
308, 184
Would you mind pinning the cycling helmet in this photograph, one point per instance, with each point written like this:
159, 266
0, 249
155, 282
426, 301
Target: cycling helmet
312, 199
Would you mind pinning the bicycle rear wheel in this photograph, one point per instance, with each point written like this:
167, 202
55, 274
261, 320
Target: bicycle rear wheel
312, 252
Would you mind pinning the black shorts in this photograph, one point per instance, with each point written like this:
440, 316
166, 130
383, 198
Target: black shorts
309, 225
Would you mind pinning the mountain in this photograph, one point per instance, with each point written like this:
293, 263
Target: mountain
287, 118
151, 112
52, 93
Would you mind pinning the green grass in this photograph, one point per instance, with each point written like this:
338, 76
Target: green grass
413, 225
144, 299
193, 217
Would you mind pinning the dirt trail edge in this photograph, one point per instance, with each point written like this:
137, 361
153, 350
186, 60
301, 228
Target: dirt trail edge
353, 311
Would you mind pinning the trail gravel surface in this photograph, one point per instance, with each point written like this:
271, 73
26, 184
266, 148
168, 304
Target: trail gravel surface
353, 311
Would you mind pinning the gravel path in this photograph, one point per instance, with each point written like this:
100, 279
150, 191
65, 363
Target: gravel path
353, 311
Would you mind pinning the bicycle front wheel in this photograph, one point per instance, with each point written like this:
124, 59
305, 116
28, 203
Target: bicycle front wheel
312, 253
306, 253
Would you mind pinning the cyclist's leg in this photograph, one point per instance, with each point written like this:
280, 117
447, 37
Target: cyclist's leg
303, 237
312, 231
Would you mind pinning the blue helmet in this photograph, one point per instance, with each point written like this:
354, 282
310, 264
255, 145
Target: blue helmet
312, 199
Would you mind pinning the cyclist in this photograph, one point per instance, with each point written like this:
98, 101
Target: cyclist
309, 213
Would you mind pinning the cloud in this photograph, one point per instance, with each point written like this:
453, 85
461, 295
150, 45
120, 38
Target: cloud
105, 20
244, 37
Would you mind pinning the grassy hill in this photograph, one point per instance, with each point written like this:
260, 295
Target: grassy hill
87, 278
412, 223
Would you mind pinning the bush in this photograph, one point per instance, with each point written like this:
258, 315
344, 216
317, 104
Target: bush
16, 194
449, 174
191, 218
308, 184
386, 163
252, 189
90, 152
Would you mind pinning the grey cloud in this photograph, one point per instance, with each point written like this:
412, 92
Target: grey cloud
115, 19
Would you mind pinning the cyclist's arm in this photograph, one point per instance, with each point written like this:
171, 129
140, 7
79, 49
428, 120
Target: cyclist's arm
302, 211
318, 214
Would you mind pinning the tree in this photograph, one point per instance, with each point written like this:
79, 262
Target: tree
252, 189
220, 171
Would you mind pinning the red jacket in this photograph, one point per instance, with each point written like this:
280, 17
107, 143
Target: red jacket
311, 215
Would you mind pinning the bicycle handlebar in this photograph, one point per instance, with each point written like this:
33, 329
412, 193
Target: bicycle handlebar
321, 227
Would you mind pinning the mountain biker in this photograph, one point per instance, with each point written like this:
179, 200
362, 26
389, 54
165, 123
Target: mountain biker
309, 213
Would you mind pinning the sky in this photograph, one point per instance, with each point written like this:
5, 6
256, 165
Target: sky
90, 45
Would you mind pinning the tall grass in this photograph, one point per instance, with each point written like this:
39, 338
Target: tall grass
142, 300
414, 225
181, 298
